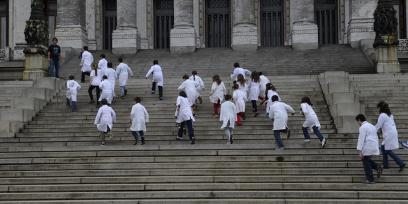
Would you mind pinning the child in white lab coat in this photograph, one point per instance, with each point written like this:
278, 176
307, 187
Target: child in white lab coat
367, 147
157, 80
86, 63
278, 112
139, 117
311, 121
228, 117
254, 90
103, 63
72, 92
240, 98
111, 74
184, 117
123, 72
263, 80
390, 136
238, 70
199, 84
217, 93
107, 91
104, 120
189, 87
96, 79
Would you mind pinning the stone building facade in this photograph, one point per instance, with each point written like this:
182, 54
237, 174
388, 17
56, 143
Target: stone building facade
125, 26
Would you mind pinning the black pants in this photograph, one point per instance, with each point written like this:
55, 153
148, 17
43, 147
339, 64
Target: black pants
154, 84
98, 92
83, 76
254, 106
189, 124
369, 165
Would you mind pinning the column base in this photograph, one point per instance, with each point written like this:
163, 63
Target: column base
36, 63
71, 36
245, 37
387, 60
360, 29
305, 36
125, 41
182, 40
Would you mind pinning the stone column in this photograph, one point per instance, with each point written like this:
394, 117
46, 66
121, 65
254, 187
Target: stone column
360, 28
304, 29
20, 14
244, 31
125, 37
182, 36
91, 23
70, 29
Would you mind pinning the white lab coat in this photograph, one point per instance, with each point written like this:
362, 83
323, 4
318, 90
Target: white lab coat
96, 80
272, 93
184, 110
156, 70
239, 98
368, 140
106, 91
86, 61
228, 113
189, 87
198, 82
139, 117
254, 91
263, 80
389, 130
103, 64
278, 112
237, 71
111, 74
244, 87
72, 90
123, 72
310, 116
218, 92
105, 118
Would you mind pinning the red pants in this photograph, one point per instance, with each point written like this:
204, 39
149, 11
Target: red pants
217, 108
240, 117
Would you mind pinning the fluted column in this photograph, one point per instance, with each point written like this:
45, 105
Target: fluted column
125, 37
182, 36
70, 29
304, 29
245, 31
361, 25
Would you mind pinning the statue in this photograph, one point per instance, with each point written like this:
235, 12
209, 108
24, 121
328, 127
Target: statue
36, 30
385, 24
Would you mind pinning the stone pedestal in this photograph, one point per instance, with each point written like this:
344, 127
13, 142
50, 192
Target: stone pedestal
305, 34
125, 37
387, 60
361, 25
245, 31
70, 29
36, 62
183, 35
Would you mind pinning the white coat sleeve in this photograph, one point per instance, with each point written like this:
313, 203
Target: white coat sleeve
212, 88
181, 87
289, 108
117, 72
270, 112
130, 71
113, 116
98, 117
146, 115
361, 137
304, 109
202, 83
149, 72
380, 122
132, 114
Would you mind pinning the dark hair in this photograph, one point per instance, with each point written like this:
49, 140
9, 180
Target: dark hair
241, 79
227, 97
105, 77
71, 77
384, 108
110, 64
185, 76
85, 48
306, 100
194, 72
236, 64
183, 94
103, 56
104, 102
54, 38
155, 62
275, 98
216, 78
260, 73
255, 76
138, 99
360, 117
235, 86
120, 59
270, 86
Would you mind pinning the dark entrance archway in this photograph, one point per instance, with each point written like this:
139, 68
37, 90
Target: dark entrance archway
326, 17
218, 23
109, 22
272, 23
163, 22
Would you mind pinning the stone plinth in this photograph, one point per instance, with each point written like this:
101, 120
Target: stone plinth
183, 35
125, 37
305, 36
244, 31
36, 62
361, 25
387, 60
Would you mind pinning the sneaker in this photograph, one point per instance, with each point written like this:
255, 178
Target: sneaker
232, 141
153, 92
402, 168
179, 138
379, 171
369, 182
404, 144
161, 98
192, 141
103, 143
306, 140
280, 148
324, 141
229, 142
143, 141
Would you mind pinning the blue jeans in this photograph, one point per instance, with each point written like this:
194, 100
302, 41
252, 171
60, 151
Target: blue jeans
390, 153
137, 134
53, 69
189, 124
369, 165
278, 139
316, 132
74, 106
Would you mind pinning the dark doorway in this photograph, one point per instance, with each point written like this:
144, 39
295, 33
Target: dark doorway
4, 23
109, 22
272, 23
163, 23
327, 21
52, 18
218, 23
